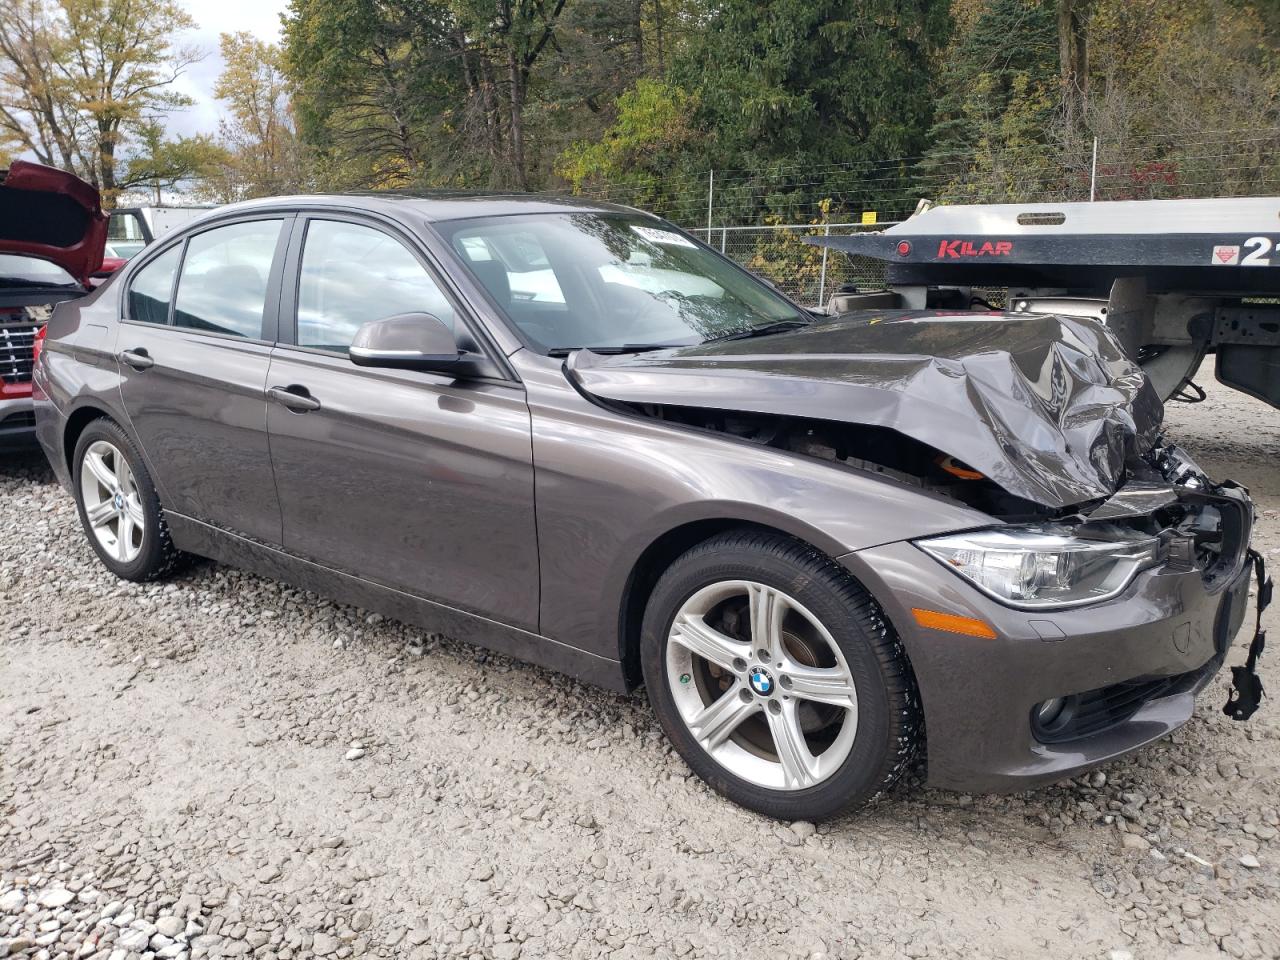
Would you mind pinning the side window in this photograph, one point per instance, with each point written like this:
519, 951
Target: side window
152, 287
352, 274
223, 287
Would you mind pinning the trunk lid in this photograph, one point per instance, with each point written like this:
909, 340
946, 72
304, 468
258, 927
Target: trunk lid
53, 215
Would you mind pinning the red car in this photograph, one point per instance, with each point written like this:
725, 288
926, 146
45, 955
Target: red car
52, 236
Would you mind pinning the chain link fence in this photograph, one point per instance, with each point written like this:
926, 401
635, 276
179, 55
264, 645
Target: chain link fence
808, 274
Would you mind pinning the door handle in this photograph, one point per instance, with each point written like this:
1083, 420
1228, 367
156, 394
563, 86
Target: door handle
138, 358
294, 397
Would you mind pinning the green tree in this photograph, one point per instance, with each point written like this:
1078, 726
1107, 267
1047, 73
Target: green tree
258, 137
432, 93
815, 86
83, 82
158, 163
1175, 83
651, 134
992, 137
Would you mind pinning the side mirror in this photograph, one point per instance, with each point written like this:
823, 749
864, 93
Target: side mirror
411, 341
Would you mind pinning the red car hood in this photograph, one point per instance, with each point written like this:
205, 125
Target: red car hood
52, 214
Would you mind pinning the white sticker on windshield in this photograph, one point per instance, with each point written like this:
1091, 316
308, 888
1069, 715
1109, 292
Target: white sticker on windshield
663, 236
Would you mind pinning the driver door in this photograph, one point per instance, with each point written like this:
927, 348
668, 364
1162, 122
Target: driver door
412, 480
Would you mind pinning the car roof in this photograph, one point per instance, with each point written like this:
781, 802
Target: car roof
434, 207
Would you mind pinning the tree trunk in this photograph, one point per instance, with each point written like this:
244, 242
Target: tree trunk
1073, 57
516, 145
107, 164
638, 28
492, 120
657, 36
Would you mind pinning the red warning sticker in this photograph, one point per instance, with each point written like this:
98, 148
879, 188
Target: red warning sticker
1225, 256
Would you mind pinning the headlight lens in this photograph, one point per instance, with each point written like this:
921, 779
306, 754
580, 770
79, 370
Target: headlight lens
1046, 566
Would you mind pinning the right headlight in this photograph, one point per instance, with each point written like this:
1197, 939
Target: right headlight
1045, 566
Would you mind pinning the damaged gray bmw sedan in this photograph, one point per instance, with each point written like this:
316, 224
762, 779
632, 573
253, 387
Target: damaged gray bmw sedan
572, 433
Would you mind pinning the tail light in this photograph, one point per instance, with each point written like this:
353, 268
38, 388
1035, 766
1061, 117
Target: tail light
37, 343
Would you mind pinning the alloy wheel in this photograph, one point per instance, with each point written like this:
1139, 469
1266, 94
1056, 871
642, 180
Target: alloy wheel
761, 685
112, 505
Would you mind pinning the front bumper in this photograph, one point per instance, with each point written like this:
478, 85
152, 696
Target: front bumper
978, 694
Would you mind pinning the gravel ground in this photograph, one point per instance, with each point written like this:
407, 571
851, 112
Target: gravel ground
224, 766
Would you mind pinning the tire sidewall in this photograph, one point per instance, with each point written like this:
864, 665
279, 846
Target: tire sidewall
861, 776
151, 555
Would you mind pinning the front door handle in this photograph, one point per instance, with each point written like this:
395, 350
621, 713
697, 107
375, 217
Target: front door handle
297, 398
138, 358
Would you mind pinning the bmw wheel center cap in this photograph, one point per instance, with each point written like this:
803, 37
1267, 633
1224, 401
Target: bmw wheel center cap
760, 681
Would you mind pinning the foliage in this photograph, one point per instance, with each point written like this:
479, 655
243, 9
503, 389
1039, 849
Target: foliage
989, 141
651, 133
83, 82
1169, 76
783, 257
1152, 80
812, 84
158, 164
796, 105
261, 152
425, 93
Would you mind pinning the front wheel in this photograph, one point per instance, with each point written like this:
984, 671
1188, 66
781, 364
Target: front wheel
777, 678
119, 507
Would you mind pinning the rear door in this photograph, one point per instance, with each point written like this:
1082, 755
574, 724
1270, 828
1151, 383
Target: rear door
194, 347
412, 480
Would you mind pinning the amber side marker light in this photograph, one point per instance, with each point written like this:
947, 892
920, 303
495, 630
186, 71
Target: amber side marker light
951, 623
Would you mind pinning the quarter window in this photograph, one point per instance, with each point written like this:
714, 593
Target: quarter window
352, 274
152, 288
223, 287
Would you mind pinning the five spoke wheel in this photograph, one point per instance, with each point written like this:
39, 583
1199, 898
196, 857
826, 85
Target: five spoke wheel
761, 685
112, 504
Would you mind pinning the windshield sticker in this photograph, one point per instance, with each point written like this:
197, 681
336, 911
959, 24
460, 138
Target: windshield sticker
664, 237
1226, 255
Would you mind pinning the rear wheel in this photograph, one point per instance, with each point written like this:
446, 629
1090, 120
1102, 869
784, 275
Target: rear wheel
119, 507
777, 678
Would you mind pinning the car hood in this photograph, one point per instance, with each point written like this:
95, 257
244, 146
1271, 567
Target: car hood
1048, 407
52, 214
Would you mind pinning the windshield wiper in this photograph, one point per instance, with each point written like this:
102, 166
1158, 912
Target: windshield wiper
609, 351
780, 326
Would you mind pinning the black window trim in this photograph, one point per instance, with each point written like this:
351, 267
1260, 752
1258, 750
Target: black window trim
271, 305
289, 296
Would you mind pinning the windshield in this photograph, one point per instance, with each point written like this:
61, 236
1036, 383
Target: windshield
612, 281
30, 271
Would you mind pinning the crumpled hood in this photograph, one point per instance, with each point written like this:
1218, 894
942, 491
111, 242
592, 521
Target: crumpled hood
1048, 407
52, 214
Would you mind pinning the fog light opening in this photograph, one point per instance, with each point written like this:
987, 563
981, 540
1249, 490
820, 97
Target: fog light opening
1050, 710
1052, 715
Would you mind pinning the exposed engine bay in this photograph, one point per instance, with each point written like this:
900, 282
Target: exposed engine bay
1164, 493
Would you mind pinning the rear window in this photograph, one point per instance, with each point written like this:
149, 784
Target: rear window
223, 286
33, 270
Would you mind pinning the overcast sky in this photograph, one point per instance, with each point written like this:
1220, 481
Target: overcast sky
214, 17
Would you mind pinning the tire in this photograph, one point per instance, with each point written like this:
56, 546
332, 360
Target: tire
106, 462
829, 657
